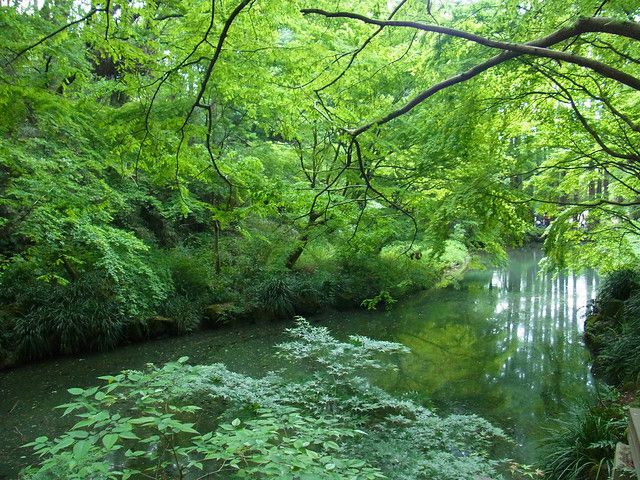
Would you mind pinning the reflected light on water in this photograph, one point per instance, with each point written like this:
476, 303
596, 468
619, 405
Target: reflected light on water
507, 344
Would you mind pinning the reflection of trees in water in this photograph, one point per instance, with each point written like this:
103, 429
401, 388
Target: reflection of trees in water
507, 345
454, 347
545, 323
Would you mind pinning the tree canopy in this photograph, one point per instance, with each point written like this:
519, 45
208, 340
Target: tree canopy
262, 133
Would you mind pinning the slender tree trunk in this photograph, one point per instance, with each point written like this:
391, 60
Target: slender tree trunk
216, 245
303, 239
295, 254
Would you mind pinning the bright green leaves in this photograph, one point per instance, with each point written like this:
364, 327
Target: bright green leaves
330, 424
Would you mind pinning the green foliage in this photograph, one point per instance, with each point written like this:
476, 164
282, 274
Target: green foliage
181, 421
618, 360
581, 446
619, 285
612, 330
54, 318
191, 273
277, 295
129, 138
383, 298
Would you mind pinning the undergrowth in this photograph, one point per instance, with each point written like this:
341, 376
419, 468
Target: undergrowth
581, 446
204, 421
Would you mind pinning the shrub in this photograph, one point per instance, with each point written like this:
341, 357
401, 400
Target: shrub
54, 318
619, 285
186, 312
612, 330
183, 421
619, 358
277, 295
190, 269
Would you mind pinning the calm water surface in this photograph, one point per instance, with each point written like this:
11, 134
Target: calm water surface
505, 344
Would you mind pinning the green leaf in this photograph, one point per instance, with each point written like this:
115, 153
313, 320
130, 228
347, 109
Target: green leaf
128, 435
109, 440
81, 448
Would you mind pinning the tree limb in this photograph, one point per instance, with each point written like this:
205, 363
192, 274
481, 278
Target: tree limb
537, 47
91, 13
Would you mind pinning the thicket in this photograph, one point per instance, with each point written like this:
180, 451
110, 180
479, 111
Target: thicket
119, 293
106, 236
91, 260
320, 419
92, 255
612, 330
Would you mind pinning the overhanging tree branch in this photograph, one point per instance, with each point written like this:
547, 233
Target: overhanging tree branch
90, 14
216, 54
357, 51
207, 76
537, 48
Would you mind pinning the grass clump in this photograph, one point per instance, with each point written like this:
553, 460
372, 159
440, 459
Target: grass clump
581, 446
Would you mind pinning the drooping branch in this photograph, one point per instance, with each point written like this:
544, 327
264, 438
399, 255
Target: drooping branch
165, 77
585, 124
206, 77
366, 177
424, 95
358, 50
212, 158
216, 54
537, 48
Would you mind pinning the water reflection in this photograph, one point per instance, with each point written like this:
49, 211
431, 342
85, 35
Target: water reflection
506, 345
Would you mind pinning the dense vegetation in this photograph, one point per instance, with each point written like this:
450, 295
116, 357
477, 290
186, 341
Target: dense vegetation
613, 330
188, 159
333, 423
172, 164
582, 444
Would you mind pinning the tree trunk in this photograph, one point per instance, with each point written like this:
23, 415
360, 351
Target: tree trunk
302, 239
216, 245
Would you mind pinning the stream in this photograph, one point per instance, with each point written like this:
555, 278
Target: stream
504, 343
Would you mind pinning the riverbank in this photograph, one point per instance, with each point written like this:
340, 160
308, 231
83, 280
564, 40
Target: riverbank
505, 343
47, 320
612, 330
